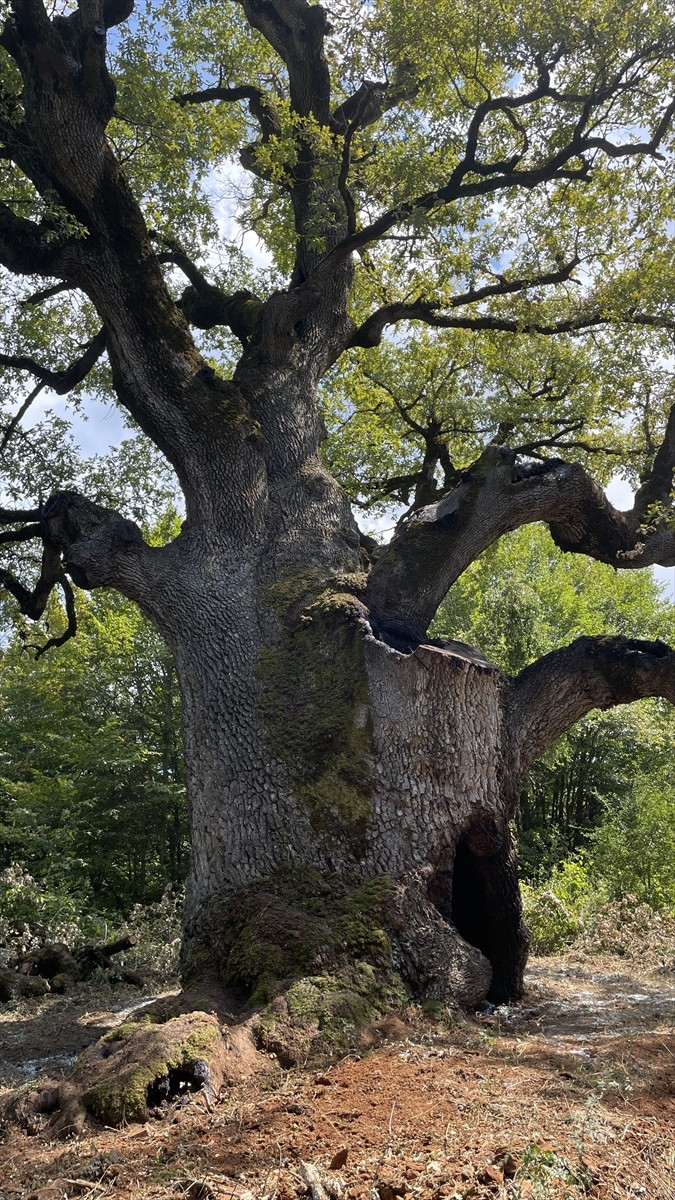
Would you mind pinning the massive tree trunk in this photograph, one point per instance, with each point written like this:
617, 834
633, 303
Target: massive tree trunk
333, 751
313, 745
323, 747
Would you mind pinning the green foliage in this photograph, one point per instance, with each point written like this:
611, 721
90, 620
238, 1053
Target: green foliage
91, 777
156, 930
554, 912
575, 908
546, 1170
633, 848
32, 913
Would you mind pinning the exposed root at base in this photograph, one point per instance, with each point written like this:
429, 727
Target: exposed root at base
134, 1068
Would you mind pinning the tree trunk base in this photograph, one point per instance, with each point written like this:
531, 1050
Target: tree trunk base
299, 965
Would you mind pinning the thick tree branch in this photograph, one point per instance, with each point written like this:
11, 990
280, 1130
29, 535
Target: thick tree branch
370, 332
27, 534
258, 106
116, 11
471, 177
219, 92
369, 335
30, 249
436, 544
8, 516
68, 99
296, 30
99, 547
94, 545
206, 306
45, 294
593, 672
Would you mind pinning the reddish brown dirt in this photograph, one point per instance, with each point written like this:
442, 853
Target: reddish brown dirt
573, 1095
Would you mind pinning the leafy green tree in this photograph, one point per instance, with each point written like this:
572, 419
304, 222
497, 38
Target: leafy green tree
634, 848
91, 779
499, 179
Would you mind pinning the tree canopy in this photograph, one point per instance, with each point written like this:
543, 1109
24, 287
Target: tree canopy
498, 186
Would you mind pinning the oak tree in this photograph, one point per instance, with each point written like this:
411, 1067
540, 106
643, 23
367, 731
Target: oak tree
466, 222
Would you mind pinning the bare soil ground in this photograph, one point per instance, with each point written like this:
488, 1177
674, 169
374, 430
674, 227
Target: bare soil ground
571, 1094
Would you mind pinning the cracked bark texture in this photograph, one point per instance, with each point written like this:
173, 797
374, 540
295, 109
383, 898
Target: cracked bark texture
322, 730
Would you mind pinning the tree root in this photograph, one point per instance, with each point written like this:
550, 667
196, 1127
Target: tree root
134, 1069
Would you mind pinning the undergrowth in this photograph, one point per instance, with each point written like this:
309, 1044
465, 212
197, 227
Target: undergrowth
573, 910
34, 913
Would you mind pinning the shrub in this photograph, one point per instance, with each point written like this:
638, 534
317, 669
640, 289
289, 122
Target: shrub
551, 924
33, 912
157, 930
555, 912
631, 930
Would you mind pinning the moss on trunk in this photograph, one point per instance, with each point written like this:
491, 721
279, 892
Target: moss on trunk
138, 1064
311, 953
313, 697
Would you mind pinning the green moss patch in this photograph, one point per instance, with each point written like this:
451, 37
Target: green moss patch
322, 1014
313, 697
136, 1064
311, 953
